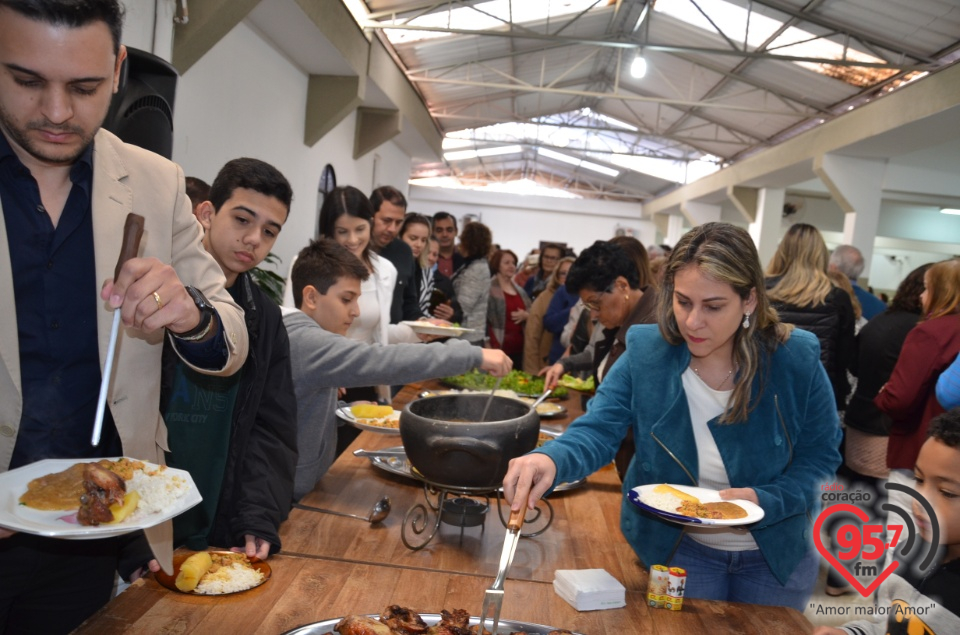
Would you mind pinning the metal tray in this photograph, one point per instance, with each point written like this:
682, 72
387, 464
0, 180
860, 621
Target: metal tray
394, 460
432, 619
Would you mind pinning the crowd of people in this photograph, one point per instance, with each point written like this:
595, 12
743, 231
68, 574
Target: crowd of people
711, 370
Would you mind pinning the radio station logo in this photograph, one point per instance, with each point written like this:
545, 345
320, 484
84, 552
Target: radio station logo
858, 548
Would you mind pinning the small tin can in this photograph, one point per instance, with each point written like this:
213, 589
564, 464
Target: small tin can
676, 584
657, 586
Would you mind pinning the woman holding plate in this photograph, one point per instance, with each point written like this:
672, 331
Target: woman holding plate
722, 396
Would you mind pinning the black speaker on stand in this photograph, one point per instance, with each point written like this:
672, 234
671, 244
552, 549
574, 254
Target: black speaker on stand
141, 113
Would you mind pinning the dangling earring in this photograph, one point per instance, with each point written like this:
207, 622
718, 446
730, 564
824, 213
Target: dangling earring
746, 320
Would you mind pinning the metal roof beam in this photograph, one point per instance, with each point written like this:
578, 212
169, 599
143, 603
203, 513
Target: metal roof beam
422, 8
603, 95
826, 23
930, 65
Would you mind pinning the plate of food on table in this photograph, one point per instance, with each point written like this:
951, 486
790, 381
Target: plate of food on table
523, 384
398, 620
373, 417
686, 504
93, 498
214, 572
436, 326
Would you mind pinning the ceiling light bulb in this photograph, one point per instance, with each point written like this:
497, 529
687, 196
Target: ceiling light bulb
638, 68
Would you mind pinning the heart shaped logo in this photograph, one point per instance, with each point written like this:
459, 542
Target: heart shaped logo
832, 559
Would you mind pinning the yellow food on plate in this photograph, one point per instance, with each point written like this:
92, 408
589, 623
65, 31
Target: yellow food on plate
192, 569
370, 411
666, 489
120, 512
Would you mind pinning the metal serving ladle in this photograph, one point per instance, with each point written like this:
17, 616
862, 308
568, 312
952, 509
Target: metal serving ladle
379, 511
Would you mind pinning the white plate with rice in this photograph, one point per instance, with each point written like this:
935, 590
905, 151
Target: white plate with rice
164, 493
235, 578
665, 505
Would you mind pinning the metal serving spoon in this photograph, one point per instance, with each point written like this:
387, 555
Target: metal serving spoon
541, 398
378, 512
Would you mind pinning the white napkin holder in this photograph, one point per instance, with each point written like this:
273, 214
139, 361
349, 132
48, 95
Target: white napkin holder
589, 589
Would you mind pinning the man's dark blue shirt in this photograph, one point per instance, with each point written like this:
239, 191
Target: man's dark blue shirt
58, 300
55, 286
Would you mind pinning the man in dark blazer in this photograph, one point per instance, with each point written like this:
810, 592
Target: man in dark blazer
389, 209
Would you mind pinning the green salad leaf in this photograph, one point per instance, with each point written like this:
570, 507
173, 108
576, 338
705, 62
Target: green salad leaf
583, 385
516, 380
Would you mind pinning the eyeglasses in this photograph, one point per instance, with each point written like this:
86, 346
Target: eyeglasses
594, 305
550, 258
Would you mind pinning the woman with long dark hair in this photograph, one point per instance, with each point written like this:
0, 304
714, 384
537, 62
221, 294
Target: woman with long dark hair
346, 216
417, 231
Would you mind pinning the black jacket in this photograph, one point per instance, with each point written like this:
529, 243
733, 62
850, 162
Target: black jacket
257, 491
406, 302
879, 344
833, 323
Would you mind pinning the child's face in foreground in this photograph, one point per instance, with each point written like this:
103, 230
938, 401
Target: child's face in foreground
335, 310
938, 480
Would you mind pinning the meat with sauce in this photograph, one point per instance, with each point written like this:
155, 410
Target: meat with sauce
102, 488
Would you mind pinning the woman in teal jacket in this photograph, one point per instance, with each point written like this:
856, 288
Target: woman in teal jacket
721, 395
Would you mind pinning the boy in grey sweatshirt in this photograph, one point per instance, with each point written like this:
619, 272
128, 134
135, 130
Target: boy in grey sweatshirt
326, 284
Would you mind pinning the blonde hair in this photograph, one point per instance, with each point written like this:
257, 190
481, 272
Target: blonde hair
726, 253
552, 282
840, 279
942, 282
801, 264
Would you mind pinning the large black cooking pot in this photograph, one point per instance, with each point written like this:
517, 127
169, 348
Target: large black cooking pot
445, 440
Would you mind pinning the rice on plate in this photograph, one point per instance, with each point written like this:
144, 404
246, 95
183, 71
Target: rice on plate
158, 488
230, 579
664, 502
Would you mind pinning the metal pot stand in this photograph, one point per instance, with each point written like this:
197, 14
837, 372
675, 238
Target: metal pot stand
461, 507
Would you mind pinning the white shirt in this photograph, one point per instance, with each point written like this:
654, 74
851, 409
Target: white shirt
705, 404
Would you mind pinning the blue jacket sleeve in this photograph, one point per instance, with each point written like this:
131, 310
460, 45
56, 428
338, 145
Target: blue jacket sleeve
948, 386
593, 439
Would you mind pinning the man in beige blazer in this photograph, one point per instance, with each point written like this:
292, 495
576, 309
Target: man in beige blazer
59, 67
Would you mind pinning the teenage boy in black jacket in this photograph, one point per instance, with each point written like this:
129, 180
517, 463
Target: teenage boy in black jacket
238, 436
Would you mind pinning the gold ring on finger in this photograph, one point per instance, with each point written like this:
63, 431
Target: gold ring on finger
156, 296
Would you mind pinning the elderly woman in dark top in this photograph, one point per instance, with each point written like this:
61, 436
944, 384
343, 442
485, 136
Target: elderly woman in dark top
471, 281
616, 289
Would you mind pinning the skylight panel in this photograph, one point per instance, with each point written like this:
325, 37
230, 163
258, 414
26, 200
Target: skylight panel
754, 29
486, 15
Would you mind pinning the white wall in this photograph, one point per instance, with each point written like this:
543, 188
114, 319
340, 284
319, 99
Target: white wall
244, 98
521, 222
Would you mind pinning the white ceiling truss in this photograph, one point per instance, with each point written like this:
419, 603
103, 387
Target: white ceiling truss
726, 79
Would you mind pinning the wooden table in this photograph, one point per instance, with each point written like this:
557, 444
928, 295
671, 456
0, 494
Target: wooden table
332, 566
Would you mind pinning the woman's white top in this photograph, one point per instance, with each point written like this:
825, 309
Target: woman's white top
705, 403
376, 294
